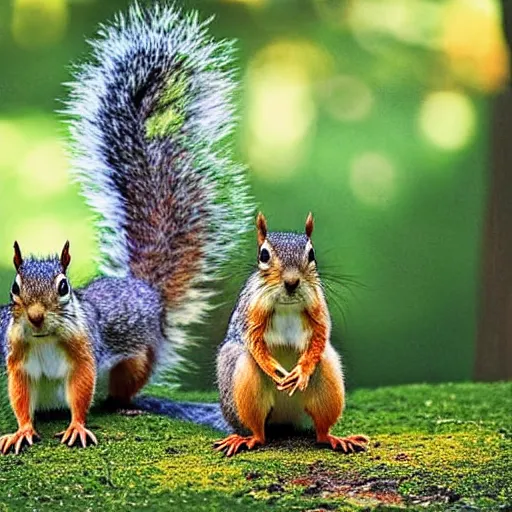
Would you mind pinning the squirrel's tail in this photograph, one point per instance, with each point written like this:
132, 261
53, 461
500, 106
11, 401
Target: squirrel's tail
150, 119
200, 413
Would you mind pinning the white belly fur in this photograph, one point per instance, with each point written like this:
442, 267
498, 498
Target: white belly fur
287, 337
287, 329
47, 367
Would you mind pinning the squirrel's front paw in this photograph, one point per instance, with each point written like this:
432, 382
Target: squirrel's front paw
77, 431
296, 379
25, 435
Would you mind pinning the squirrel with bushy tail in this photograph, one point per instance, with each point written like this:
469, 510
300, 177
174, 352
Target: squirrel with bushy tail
149, 120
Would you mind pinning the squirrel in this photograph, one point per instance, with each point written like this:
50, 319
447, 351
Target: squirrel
276, 364
149, 119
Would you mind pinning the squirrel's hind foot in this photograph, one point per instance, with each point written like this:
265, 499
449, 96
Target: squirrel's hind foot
235, 443
16, 441
75, 432
350, 444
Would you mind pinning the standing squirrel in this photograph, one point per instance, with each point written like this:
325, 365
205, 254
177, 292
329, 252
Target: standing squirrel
150, 116
277, 365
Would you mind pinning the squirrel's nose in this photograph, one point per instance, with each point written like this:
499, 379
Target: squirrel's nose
36, 317
291, 285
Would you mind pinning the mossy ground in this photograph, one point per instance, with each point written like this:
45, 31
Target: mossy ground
441, 447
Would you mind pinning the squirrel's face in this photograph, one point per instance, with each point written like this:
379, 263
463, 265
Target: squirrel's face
40, 293
287, 266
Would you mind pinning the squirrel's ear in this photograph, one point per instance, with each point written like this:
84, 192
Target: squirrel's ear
18, 260
261, 224
309, 225
65, 257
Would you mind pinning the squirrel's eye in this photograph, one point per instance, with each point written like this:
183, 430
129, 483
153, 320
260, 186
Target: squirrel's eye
264, 256
15, 290
311, 255
63, 288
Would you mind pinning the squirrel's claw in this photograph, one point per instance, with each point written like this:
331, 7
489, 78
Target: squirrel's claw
17, 440
234, 443
350, 444
281, 373
296, 379
77, 431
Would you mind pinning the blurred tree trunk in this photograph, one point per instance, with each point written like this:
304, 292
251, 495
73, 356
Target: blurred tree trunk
494, 342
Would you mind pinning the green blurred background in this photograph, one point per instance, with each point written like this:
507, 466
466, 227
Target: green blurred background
374, 114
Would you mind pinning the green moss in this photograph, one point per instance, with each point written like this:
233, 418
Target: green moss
170, 113
446, 446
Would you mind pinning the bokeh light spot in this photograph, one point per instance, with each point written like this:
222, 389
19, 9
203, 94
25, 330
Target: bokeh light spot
283, 105
45, 169
37, 23
373, 179
281, 108
348, 98
473, 40
447, 119
411, 21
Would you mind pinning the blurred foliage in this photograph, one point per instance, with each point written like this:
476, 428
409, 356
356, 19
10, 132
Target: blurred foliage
372, 114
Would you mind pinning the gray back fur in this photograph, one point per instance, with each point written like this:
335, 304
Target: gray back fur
5, 318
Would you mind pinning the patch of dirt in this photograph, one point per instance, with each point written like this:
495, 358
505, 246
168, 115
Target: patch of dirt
323, 482
275, 488
252, 475
434, 494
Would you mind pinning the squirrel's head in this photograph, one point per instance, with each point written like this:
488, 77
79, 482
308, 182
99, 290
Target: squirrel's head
287, 265
41, 292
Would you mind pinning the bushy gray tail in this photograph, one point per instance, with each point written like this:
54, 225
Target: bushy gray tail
150, 118
199, 413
